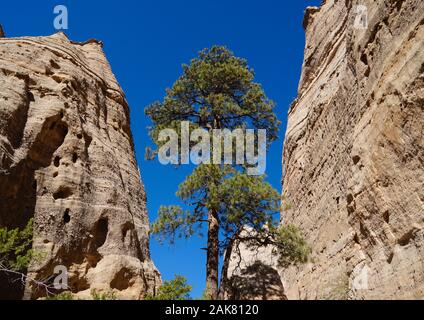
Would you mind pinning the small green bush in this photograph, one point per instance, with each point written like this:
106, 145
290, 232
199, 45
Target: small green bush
291, 246
110, 295
95, 295
15, 247
61, 296
176, 289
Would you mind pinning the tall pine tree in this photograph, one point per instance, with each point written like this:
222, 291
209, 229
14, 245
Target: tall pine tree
217, 91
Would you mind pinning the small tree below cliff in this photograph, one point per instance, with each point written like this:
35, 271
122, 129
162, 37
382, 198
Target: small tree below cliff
16, 253
15, 248
175, 289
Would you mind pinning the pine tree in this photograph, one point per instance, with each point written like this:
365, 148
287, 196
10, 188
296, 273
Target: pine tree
15, 248
217, 91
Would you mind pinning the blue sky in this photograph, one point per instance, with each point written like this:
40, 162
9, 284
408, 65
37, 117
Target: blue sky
147, 41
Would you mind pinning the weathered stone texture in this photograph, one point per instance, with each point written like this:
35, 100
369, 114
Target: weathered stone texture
354, 153
252, 273
67, 159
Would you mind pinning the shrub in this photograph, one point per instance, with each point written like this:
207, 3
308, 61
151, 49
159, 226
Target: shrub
110, 295
176, 289
15, 247
291, 246
61, 296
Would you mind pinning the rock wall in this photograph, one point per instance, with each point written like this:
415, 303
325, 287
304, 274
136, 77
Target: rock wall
354, 152
67, 160
253, 272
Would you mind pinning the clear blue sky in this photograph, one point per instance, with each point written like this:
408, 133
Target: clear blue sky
147, 41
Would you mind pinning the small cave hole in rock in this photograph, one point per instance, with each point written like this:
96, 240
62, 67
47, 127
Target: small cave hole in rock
122, 280
367, 72
406, 238
62, 193
30, 96
93, 259
126, 231
356, 159
74, 157
363, 230
54, 64
66, 216
56, 161
356, 238
55, 174
48, 71
79, 136
101, 232
78, 284
390, 257
349, 199
88, 139
364, 59
386, 216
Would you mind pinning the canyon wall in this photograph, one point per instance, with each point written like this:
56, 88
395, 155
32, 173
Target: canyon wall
253, 272
353, 157
67, 160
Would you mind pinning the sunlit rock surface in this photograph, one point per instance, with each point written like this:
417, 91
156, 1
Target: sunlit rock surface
67, 160
354, 153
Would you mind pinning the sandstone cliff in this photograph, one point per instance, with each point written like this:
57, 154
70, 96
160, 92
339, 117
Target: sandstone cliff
353, 160
354, 153
67, 159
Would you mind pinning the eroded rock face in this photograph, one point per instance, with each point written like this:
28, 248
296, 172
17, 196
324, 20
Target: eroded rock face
253, 273
67, 160
354, 153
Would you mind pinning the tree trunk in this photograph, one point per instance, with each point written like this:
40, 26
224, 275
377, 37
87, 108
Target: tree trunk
212, 256
224, 283
223, 288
